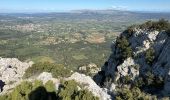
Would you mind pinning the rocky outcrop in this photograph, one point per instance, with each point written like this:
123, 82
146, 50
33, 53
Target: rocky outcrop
11, 69
44, 77
86, 81
127, 68
91, 68
90, 85
11, 72
140, 41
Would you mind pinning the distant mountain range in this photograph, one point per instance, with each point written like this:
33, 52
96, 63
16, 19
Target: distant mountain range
93, 14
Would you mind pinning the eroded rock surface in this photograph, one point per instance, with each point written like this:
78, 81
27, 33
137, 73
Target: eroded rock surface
11, 69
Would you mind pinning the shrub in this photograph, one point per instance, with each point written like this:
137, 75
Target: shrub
125, 80
150, 56
130, 30
153, 81
5, 97
158, 82
138, 82
38, 91
30, 91
149, 78
124, 48
162, 24
85, 95
50, 86
57, 70
69, 91
132, 94
37, 83
22, 91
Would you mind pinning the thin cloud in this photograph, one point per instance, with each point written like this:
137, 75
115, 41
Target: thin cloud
120, 7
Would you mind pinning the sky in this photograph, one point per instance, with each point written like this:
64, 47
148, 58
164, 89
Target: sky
68, 5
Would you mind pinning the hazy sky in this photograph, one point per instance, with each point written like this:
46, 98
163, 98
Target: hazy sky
66, 5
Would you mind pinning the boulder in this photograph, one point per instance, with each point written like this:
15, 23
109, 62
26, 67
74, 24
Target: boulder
45, 77
11, 69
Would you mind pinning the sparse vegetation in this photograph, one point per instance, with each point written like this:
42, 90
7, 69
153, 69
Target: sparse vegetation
69, 91
57, 70
38, 91
132, 94
29, 91
162, 24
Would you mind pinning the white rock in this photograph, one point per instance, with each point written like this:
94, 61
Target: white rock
45, 76
123, 68
93, 69
113, 87
90, 85
11, 69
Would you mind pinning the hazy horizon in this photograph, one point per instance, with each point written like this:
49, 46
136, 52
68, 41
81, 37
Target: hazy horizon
32, 6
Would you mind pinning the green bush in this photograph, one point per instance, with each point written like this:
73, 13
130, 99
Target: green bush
37, 83
138, 82
162, 24
150, 56
132, 94
5, 97
57, 70
50, 86
149, 78
125, 80
130, 30
69, 91
29, 91
123, 45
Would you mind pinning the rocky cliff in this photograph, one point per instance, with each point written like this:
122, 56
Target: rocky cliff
140, 55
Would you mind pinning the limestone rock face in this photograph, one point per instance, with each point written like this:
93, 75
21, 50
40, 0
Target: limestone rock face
126, 68
90, 85
162, 66
11, 72
11, 69
140, 41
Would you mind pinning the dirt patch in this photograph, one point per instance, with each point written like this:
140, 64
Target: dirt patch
95, 38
